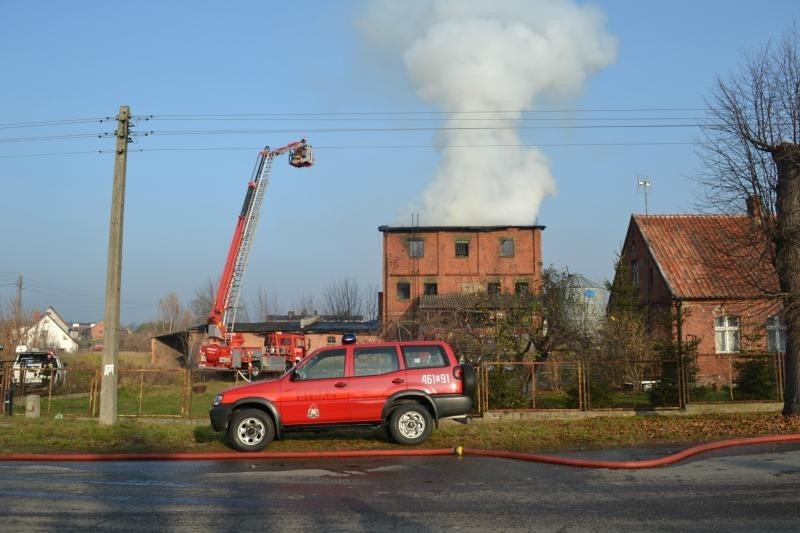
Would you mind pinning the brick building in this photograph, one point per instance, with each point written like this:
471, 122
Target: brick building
712, 276
428, 261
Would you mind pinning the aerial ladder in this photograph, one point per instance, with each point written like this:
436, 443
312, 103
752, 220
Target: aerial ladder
223, 346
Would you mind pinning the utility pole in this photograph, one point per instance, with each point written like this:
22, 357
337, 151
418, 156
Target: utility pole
108, 383
18, 310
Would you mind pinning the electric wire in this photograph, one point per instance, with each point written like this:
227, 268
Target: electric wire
358, 147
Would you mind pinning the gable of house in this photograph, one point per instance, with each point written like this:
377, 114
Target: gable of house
50, 331
715, 275
706, 256
60, 322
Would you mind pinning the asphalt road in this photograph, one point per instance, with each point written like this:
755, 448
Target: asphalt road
740, 489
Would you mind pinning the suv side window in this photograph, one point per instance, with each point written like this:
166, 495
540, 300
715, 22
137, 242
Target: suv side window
373, 361
325, 365
424, 357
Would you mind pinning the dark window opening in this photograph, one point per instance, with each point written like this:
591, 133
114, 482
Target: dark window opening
403, 290
462, 249
493, 287
431, 289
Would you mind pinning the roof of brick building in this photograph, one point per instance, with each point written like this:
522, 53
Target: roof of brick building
709, 256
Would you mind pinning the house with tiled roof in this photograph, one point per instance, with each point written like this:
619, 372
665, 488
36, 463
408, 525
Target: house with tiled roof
713, 276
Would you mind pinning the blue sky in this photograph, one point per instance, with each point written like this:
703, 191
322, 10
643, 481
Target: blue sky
222, 80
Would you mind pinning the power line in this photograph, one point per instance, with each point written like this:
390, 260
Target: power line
49, 123
418, 129
236, 116
53, 137
359, 147
413, 119
43, 154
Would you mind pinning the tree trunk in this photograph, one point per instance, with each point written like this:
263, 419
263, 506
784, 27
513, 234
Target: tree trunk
787, 259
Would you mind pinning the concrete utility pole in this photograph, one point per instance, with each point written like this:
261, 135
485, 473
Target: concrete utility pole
18, 304
108, 384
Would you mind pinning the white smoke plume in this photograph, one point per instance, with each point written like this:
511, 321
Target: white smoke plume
495, 56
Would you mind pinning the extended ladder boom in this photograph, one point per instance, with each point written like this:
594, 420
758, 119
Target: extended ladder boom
222, 317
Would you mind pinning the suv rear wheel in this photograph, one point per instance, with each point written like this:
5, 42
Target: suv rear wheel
410, 424
250, 430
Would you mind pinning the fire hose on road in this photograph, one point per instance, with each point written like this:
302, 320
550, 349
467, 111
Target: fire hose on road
458, 451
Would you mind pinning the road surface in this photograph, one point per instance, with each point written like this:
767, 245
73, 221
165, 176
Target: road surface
740, 489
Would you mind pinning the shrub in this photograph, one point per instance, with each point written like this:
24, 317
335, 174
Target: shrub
601, 394
755, 379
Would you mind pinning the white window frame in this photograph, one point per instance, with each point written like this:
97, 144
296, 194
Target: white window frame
726, 334
416, 248
506, 247
776, 334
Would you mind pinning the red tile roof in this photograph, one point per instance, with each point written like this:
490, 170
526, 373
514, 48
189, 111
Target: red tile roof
708, 256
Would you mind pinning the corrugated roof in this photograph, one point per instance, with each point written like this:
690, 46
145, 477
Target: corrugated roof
709, 256
579, 281
474, 301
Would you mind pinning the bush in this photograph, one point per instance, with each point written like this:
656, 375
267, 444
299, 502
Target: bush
601, 394
507, 388
755, 379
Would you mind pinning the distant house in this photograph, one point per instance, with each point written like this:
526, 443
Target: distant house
712, 275
49, 331
87, 331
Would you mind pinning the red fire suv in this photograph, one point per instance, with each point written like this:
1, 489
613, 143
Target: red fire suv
407, 387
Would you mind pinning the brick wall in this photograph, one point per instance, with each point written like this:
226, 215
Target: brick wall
698, 323
439, 263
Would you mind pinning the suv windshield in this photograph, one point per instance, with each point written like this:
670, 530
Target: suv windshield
29, 359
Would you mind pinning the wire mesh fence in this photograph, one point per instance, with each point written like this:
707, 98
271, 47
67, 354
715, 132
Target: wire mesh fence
501, 385
737, 377
642, 384
578, 385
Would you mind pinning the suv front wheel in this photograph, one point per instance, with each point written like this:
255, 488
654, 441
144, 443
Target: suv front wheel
250, 430
410, 424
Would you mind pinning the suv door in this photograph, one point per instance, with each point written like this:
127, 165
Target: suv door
376, 376
316, 392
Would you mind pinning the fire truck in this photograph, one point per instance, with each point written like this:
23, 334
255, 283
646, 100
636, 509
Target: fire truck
224, 347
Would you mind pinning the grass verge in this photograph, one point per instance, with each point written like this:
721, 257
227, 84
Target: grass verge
51, 435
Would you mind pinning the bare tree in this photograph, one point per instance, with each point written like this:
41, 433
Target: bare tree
751, 148
13, 322
343, 299
169, 311
370, 299
203, 300
266, 304
305, 306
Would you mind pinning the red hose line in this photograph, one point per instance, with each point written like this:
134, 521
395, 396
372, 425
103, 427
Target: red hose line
550, 459
218, 456
646, 463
